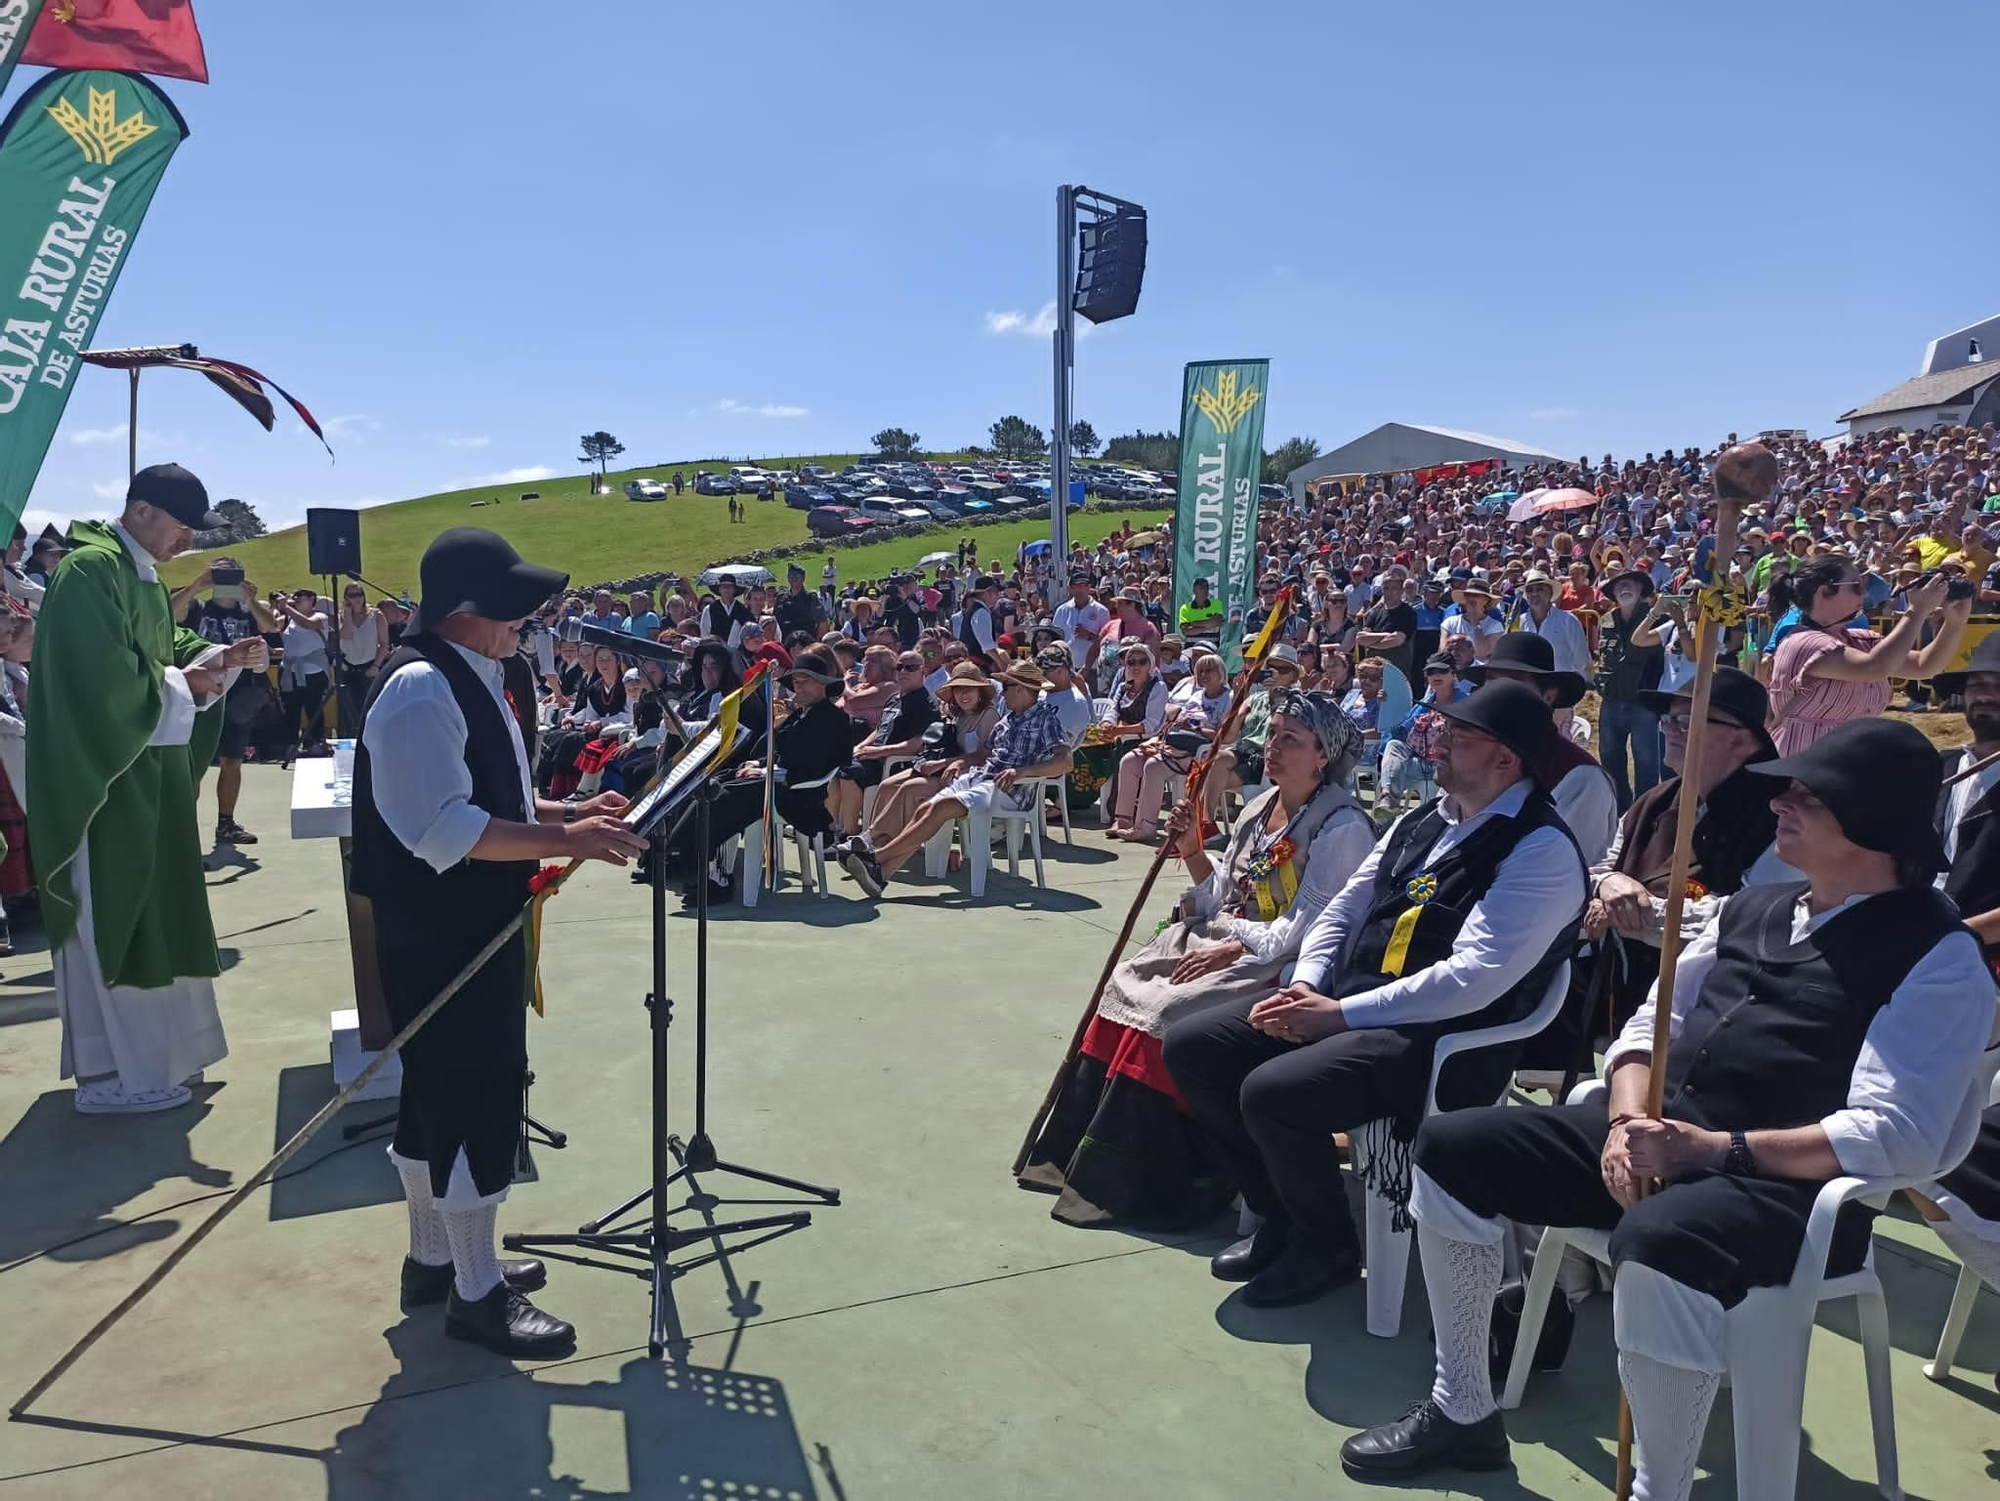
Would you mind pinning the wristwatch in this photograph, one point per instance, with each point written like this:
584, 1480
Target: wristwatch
1737, 1161
569, 809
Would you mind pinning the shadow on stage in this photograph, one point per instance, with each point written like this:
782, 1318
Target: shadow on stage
51, 1205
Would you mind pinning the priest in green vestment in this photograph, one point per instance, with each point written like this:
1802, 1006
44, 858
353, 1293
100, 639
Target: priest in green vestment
128, 709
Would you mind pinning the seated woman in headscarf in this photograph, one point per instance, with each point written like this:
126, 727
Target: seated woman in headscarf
1119, 1147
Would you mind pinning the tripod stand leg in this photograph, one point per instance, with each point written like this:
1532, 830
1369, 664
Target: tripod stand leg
778, 1180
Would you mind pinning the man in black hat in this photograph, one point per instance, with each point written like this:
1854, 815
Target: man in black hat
799, 609
447, 833
1824, 1027
975, 622
128, 710
1733, 830
1631, 657
1581, 788
1456, 919
725, 616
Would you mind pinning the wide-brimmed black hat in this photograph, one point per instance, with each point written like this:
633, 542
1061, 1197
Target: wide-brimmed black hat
1531, 656
1880, 780
1512, 713
1647, 588
1732, 692
170, 488
469, 570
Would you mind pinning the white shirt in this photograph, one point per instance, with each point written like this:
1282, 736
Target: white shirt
1588, 803
1073, 708
415, 736
1536, 894
1337, 851
1564, 633
1482, 635
1078, 625
1960, 800
1916, 1060
358, 650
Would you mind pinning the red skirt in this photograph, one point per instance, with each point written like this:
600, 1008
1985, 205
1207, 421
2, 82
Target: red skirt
17, 870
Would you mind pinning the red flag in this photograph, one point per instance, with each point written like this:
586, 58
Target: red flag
130, 36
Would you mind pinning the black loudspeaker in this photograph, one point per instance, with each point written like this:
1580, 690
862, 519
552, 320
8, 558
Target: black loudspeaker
1110, 266
333, 542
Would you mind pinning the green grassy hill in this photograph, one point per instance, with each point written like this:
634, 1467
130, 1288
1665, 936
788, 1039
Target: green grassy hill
601, 537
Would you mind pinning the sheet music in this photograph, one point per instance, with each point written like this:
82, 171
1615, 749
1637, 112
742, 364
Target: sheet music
680, 779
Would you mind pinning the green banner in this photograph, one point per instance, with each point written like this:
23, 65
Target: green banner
80, 155
17, 19
1222, 461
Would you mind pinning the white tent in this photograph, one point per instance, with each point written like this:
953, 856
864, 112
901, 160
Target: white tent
1396, 447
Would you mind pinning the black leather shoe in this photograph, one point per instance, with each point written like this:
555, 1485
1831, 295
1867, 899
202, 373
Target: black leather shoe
429, 1284
1301, 1274
505, 1322
1424, 1439
1250, 1255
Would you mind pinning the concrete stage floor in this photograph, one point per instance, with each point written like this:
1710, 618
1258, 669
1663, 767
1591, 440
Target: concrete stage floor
936, 1335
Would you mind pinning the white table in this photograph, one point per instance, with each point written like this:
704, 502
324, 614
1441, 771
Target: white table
323, 808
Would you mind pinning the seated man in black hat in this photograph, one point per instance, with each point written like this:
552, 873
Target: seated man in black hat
1581, 788
447, 833
1820, 1028
1456, 919
1964, 1205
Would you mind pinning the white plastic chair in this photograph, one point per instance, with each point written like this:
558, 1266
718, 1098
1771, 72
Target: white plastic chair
1388, 1249
750, 864
1963, 1296
975, 836
1769, 1338
890, 767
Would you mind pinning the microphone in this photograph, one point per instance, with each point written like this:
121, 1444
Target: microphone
635, 647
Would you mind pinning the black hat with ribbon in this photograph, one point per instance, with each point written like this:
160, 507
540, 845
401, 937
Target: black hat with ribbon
1530, 656
1512, 713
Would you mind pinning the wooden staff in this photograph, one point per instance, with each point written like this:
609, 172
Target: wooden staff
1197, 776
291, 1148
1971, 771
1744, 473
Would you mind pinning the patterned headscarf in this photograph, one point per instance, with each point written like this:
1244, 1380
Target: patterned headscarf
1321, 713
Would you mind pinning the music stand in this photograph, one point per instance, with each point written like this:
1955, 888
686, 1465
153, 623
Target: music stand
684, 791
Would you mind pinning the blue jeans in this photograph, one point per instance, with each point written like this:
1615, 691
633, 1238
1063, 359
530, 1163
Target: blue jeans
1622, 723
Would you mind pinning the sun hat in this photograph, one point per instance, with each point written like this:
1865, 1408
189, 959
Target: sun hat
966, 675
1880, 779
1025, 675
1531, 656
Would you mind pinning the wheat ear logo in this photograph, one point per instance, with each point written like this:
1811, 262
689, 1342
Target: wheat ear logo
101, 134
1226, 406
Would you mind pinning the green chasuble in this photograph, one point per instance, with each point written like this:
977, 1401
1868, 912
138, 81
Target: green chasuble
102, 643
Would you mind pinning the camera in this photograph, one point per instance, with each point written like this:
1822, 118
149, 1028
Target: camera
228, 583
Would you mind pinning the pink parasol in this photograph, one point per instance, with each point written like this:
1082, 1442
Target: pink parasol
1527, 505
1565, 500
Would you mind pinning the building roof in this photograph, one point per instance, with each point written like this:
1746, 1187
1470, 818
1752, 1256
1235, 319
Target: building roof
1928, 391
1398, 446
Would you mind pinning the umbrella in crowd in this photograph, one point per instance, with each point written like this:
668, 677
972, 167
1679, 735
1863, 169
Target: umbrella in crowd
934, 559
743, 575
1526, 505
1144, 539
1565, 500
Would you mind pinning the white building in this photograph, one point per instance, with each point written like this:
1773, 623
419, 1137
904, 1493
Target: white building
1958, 384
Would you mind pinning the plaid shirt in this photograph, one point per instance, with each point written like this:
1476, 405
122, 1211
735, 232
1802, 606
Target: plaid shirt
1029, 738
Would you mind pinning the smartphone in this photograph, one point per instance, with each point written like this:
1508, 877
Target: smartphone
228, 584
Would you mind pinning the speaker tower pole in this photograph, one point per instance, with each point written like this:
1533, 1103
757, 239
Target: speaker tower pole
1065, 345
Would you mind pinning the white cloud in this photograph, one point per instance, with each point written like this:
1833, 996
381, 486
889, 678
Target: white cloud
736, 408
88, 437
477, 440
1553, 414
1038, 325
348, 425
526, 474
110, 489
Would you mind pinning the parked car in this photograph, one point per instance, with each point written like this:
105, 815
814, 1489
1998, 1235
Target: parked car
714, 484
1276, 494
809, 497
645, 489
816, 472
937, 510
749, 479
836, 521
888, 508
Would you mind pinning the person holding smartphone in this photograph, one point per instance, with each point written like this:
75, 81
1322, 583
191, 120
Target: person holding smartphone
231, 613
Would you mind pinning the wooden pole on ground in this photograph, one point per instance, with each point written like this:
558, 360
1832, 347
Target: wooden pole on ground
285, 1154
1744, 473
1196, 777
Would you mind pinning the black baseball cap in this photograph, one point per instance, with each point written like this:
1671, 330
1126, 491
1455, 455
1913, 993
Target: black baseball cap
170, 488
469, 570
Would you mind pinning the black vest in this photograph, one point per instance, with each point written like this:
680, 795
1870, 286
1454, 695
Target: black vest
1624, 670
1133, 711
1973, 882
975, 606
466, 905
1772, 1039
1418, 910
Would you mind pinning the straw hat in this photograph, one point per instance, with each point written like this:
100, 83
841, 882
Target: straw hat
966, 675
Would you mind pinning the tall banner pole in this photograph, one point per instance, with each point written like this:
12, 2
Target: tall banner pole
80, 156
1743, 474
17, 19
1221, 463
132, 431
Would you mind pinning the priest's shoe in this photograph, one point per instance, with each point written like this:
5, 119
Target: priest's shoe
431, 1284
109, 1097
1301, 1274
1424, 1439
1250, 1255
505, 1321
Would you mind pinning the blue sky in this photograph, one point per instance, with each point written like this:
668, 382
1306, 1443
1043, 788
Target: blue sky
775, 228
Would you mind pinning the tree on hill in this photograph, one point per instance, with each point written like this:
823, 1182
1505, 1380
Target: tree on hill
1146, 450
1287, 456
244, 523
1018, 438
1082, 439
599, 448
894, 443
